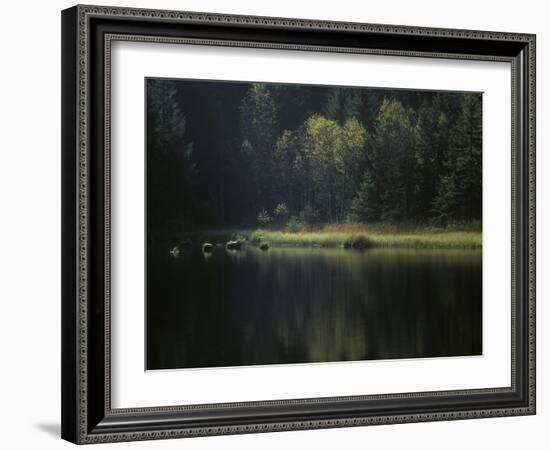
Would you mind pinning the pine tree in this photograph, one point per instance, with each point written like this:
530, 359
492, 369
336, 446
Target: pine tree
165, 122
391, 155
342, 104
431, 149
170, 196
365, 205
258, 118
460, 192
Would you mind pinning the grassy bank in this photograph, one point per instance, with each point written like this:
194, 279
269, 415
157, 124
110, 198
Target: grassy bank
365, 237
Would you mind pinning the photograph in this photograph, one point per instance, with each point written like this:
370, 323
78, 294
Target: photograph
302, 223
282, 218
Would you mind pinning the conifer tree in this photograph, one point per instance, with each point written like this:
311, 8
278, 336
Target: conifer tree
390, 183
431, 149
460, 192
168, 153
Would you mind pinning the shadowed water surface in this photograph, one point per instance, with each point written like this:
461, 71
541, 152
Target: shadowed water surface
295, 305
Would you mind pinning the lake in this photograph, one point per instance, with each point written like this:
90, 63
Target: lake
303, 305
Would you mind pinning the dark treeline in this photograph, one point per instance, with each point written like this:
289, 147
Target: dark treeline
224, 154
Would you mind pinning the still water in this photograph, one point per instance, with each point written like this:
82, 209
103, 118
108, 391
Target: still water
294, 305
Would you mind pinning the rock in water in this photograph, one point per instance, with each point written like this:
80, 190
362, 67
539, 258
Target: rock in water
234, 245
207, 247
264, 246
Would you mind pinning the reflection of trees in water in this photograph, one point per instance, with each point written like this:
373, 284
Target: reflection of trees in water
314, 305
335, 306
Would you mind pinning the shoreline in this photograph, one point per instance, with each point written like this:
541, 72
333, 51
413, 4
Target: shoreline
421, 238
434, 240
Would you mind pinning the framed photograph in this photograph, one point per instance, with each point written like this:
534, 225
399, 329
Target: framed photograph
280, 224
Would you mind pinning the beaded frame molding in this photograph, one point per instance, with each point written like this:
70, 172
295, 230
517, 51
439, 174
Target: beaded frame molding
87, 35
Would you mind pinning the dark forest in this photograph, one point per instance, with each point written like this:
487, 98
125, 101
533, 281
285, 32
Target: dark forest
295, 224
295, 157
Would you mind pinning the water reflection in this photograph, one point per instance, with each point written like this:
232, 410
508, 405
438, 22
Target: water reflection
291, 305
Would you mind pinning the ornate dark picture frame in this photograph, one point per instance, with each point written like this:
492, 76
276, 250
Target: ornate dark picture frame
87, 34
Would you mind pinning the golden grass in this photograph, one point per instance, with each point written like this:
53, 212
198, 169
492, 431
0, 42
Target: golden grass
347, 235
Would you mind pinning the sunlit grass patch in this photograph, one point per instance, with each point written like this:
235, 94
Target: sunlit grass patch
360, 238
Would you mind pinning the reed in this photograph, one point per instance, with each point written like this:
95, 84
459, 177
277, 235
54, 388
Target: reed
360, 238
